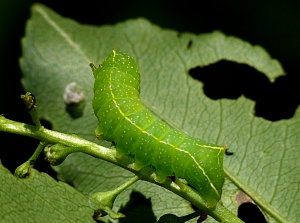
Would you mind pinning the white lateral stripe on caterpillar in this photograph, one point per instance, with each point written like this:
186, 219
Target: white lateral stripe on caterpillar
123, 119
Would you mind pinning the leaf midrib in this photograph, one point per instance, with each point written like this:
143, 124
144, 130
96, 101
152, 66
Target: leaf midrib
61, 32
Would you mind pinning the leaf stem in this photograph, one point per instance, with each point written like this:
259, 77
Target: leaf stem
107, 198
220, 213
24, 169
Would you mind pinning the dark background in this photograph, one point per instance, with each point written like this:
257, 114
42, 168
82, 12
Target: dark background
275, 25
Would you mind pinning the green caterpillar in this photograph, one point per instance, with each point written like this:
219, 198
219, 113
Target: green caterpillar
124, 120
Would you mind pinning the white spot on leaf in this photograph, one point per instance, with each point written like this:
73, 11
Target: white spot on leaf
73, 94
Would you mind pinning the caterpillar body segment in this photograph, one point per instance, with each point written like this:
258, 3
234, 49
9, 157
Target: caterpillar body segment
124, 120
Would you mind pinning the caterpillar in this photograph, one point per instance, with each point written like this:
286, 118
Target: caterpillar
124, 120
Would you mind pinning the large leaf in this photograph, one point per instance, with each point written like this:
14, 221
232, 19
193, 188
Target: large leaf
57, 51
39, 198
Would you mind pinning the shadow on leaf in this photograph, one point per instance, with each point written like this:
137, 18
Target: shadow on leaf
138, 209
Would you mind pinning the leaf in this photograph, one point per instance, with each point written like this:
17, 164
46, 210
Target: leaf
39, 198
57, 51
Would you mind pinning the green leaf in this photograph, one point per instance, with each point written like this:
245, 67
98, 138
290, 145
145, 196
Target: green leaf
57, 51
39, 198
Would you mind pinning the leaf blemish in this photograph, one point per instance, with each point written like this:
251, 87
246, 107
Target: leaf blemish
190, 43
73, 94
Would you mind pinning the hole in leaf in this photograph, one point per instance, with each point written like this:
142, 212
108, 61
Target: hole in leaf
228, 153
227, 79
190, 43
250, 213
